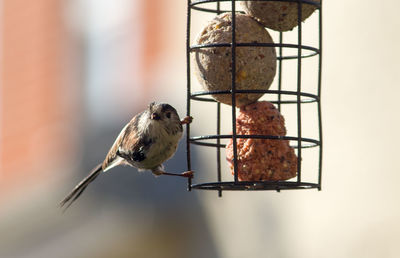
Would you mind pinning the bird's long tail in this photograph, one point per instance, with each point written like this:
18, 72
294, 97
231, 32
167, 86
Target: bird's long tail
79, 188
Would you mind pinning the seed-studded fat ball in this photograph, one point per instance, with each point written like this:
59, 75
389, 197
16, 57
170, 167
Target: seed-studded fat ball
262, 159
276, 15
255, 65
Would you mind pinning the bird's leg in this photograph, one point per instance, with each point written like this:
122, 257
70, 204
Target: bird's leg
188, 174
187, 120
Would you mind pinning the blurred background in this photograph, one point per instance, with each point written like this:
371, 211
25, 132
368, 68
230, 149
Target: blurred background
73, 73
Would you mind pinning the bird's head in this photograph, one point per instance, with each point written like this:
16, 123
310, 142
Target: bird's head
164, 114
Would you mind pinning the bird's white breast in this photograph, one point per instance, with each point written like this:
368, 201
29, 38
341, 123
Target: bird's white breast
163, 146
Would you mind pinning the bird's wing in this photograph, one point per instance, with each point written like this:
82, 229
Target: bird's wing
112, 159
128, 146
134, 152
134, 144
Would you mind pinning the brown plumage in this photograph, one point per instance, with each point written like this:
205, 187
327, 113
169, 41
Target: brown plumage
148, 140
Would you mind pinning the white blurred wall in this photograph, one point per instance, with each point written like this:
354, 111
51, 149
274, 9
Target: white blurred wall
356, 213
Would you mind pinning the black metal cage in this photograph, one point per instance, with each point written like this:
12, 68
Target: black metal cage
282, 97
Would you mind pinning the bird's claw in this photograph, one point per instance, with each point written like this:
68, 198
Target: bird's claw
187, 120
188, 174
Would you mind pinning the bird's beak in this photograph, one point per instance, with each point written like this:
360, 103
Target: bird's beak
155, 116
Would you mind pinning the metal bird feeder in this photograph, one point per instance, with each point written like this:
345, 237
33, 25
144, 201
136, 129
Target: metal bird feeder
282, 97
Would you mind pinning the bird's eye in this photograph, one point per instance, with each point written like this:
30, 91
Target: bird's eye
155, 116
168, 115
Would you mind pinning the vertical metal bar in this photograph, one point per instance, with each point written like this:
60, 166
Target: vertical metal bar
299, 53
280, 71
218, 146
233, 91
218, 7
219, 130
319, 99
189, 163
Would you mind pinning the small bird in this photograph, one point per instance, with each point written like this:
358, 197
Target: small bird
149, 139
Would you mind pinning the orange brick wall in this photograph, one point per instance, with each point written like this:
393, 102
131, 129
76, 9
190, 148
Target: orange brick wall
31, 96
